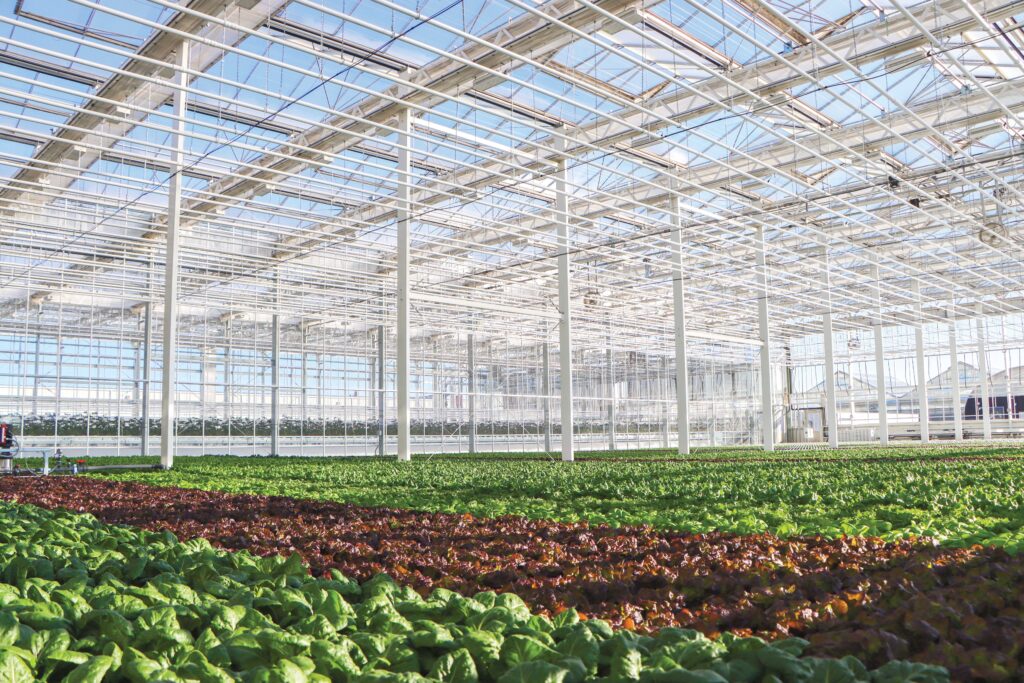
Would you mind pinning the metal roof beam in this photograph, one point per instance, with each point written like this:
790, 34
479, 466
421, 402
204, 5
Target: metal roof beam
48, 68
860, 45
137, 95
767, 14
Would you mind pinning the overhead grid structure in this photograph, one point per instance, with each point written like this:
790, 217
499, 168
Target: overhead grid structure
391, 227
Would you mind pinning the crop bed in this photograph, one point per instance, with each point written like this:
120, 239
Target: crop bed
914, 492
958, 607
82, 601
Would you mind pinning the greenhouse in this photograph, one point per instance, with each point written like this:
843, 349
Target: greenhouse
543, 340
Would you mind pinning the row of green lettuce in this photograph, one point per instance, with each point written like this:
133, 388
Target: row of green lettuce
959, 502
84, 601
906, 450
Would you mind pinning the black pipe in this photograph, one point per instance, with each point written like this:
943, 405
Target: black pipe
104, 468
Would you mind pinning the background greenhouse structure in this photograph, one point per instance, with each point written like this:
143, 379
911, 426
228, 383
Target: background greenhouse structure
372, 227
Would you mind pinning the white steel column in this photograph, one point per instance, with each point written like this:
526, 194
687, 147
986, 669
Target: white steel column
382, 422
663, 397
883, 407
147, 349
136, 375
767, 408
985, 389
304, 391
545, 388
471, 376
713, 419
208, 380
610, 359
831, 413
229, 379
922, 370
275, 385
679, 321
172, 265
883, 397
564, 305
35, 375
954, 371
402, 293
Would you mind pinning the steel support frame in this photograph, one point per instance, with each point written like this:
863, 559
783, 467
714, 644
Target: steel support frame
382, 421
172, 264
136, 375
883, 399
403, 216
229, 378
922, 368
767, 394
147, 350
471, 390
985, 388
545, 389
726, 84
828, 339
275, 385
35, 376
663, 396
565, 310
954, 372
986, 406
679, 323
831, 412
303, 390
713, 419
610, 360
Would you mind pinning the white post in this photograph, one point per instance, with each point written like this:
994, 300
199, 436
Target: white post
172, 265
679, 322
831, 412
883, 396
1009, 394
58, 393
954, 369
713, 420
767, 408
136, 376
471, 375
564, 305
275, 385
402, 196
229, 380
304, 395
883, 407
610, 360
208, 381
147, 348
35, 375
545, 388
922, 370
986, 408
382, 422
663, 396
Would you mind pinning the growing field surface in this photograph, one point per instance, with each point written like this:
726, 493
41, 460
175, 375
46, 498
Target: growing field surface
83, 601
958, 497
961, 608
889, 555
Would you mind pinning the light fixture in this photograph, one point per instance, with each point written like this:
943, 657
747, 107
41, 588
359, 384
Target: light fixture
993, 233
